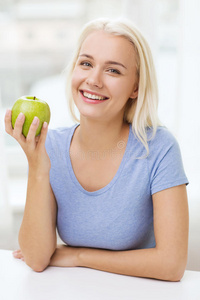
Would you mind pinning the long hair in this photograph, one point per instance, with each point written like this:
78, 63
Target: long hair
142, 111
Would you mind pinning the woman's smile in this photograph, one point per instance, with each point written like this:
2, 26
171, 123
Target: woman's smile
93, 98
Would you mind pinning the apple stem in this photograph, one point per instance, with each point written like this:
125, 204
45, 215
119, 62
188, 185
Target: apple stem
34, 98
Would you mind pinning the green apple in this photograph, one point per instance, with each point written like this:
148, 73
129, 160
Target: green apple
31, 107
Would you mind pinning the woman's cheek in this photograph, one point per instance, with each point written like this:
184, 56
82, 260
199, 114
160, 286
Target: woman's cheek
73, 80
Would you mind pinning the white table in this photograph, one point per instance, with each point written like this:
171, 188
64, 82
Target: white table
19, 282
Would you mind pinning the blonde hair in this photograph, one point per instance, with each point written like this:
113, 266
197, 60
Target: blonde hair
140, 112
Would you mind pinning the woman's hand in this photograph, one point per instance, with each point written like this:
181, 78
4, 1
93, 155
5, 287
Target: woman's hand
65, 256
18, 254
34, 147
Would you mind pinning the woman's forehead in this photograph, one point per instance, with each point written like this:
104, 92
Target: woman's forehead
108, 46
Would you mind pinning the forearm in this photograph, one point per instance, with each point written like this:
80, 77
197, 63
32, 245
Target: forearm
37, 236
149, 263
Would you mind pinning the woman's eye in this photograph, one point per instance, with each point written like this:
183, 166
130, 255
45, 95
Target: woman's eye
85, 64
114, 71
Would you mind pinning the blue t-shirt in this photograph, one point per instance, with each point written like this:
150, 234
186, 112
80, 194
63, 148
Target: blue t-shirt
118, 216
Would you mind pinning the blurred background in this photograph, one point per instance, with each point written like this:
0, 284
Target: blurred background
36, 41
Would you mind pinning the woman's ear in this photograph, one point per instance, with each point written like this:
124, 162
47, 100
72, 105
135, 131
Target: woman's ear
134, 93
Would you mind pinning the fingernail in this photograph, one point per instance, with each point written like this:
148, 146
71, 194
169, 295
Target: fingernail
20, 116
35, 120
45, 125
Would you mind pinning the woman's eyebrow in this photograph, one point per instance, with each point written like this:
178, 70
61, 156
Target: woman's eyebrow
87, 55
109, 62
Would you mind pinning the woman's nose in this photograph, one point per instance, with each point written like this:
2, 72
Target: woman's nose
95, 79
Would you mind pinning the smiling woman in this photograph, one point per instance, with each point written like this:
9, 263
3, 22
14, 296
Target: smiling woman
104, 73
113, 184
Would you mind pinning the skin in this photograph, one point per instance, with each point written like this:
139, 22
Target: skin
101, 127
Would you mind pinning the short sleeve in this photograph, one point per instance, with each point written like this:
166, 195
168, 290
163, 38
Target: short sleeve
166, 165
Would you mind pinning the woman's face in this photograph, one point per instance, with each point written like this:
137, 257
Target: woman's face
104, 77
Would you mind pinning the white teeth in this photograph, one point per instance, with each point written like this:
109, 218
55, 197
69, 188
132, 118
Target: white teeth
92, 96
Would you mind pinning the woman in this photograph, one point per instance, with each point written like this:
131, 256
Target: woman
113, 184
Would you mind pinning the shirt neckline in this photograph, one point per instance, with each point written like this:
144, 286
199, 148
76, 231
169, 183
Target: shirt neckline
114, 179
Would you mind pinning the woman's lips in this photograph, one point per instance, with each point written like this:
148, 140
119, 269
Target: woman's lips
91, 97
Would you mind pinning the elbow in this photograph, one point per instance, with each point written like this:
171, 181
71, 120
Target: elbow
173, 270
174, 275
37, 266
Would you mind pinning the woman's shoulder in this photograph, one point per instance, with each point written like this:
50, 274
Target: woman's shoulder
163, 137
163, 142
165, 161
159, 141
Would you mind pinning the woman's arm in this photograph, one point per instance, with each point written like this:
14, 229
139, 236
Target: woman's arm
37, 236
167, 261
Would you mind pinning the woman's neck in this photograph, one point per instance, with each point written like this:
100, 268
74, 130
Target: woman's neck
97, 136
